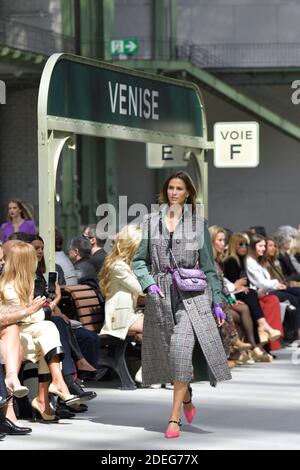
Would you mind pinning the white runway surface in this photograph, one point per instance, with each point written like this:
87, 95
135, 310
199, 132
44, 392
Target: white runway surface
258, 409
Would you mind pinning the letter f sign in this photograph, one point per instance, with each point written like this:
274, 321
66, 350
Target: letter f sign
234, 150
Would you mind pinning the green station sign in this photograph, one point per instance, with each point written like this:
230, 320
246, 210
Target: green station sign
116, 96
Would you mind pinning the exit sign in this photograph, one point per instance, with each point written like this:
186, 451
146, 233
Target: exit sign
124, 46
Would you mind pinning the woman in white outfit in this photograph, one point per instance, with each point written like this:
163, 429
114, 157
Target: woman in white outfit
121, 288
39, 338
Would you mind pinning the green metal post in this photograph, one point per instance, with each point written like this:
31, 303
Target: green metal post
98, 180
107, 24
173, 29
111, 173
158, 28
158, 53
70, 221
67, 9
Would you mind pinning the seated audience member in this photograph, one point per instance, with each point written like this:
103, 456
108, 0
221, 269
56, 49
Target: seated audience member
40, 338
265, 310
236, 308
97, 242
121, 288
284, 243
80, 255
64, 261
294, 253
10, 341
258, 229
275, 279
68, 336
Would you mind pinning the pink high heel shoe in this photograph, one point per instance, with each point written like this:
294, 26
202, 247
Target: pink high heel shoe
189, 413
173, 434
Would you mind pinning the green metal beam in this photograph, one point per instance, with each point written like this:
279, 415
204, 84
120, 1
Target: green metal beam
67, 14
158, 28
97, 19
173, 28
221, 88
13, 55
107, 24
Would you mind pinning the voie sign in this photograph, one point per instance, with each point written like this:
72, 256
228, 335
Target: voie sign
236, 144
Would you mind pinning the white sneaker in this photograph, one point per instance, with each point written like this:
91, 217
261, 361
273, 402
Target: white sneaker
294, 345
138, 376
155, 386
169, 386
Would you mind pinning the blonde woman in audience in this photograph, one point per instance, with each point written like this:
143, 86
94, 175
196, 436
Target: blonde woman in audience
240, 310
39, 338
121, 288
294, 253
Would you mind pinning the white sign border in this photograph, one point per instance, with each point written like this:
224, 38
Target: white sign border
218, 165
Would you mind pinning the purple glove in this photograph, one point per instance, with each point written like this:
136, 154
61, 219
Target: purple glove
154, 289
218, 312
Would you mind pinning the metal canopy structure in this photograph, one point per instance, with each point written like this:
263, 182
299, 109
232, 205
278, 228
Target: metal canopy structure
88, 97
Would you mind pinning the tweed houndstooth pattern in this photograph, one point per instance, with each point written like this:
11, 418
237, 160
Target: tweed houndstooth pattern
173, 325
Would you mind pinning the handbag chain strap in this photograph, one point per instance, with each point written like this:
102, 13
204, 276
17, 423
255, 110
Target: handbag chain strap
173, 258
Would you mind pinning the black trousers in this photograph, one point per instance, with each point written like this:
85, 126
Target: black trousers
293, 295
3, 391
68, 366
89, 343
251, 299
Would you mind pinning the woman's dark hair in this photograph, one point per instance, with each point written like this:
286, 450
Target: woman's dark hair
22, 236
41, 264
163, 196
254, 239
272, 239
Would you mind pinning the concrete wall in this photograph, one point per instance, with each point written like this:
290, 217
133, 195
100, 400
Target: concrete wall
238, 21
267, 195
44, 14
241, 33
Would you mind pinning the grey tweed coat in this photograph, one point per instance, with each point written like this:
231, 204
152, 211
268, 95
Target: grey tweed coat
190, 245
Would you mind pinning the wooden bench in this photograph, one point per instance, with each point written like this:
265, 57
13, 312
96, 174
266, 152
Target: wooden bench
81, 303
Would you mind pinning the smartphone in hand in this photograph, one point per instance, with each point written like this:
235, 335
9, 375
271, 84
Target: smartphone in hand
52, 279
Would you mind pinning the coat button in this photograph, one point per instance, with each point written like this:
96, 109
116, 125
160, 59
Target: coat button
177, 241
189, 301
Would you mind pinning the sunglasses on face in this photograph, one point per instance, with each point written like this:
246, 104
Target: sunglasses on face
243, 244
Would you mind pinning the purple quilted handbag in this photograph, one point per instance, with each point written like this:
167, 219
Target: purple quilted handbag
188, 280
